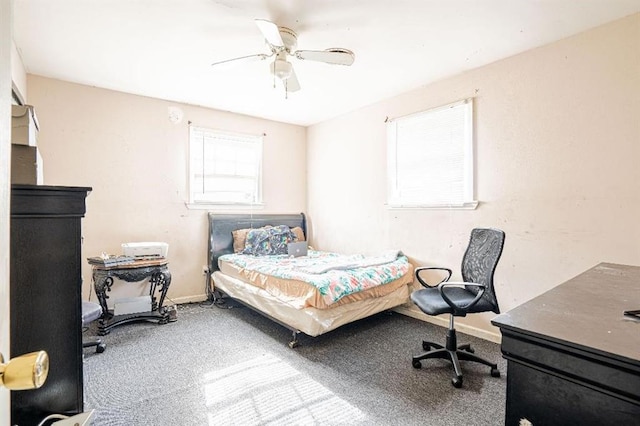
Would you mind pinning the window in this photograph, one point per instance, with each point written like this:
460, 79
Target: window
225, 168
430, 158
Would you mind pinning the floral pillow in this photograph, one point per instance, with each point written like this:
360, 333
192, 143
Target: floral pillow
268, 240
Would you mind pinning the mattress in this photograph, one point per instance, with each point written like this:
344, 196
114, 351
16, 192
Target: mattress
366, 282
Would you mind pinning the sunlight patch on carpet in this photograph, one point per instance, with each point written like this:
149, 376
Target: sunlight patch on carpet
266, 390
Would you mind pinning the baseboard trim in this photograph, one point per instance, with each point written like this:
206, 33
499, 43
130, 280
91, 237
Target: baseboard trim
186, 299
444, 322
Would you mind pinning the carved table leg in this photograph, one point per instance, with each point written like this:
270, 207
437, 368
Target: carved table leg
160, 281
103, 284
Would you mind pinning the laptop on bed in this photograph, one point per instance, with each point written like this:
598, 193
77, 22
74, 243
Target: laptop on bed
297, 249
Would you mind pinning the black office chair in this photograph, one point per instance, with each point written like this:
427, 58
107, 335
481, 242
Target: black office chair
90, 312
474, 294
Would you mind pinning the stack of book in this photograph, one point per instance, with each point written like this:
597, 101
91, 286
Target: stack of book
111, 260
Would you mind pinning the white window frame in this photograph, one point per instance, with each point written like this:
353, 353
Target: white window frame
199, 138
418, 145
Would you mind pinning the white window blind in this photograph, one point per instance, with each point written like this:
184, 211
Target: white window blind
430, 158
225, 168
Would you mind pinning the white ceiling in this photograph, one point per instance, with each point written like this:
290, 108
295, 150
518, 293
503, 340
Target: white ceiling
164, 48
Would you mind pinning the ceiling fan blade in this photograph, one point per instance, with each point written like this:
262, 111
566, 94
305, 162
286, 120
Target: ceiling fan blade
292, 82
330, 56
248, 58
270, 32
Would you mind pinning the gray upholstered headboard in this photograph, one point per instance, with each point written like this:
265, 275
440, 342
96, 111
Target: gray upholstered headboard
221, 225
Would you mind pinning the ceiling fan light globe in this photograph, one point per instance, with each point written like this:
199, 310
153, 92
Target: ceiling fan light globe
281, 69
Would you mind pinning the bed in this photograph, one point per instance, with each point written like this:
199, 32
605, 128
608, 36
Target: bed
277, 287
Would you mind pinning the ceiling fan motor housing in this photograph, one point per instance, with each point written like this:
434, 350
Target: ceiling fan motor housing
289, 38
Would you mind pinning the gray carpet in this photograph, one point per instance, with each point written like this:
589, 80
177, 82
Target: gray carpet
233, 367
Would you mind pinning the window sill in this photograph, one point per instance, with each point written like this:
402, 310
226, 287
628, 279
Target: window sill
471, 205
224, 206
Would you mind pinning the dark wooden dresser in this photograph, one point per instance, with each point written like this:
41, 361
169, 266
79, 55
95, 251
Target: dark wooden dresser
45, 293
573, 356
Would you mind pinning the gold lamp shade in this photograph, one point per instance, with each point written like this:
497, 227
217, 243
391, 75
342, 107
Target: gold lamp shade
28, 371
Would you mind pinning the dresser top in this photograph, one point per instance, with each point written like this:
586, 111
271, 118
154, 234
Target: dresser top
45, 201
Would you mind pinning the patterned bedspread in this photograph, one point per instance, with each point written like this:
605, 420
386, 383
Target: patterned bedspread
333, 275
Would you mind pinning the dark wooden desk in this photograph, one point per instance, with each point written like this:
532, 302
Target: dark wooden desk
573, 357
159, 280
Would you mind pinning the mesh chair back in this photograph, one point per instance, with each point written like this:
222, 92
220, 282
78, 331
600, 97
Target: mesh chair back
480, 261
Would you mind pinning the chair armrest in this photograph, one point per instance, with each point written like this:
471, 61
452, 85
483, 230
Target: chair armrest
426, 268
456, 308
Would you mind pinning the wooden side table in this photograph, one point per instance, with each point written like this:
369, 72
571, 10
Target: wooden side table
159, 280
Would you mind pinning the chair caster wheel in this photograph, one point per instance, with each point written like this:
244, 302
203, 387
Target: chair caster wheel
457, 382
100, 348
293, 344
426, 346
470, 350
416, 364
495, 372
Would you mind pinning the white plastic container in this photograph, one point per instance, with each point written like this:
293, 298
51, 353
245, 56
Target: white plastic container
145, 249
24, 125
132, 305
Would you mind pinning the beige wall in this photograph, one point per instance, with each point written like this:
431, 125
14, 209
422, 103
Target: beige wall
557, 150
135, 159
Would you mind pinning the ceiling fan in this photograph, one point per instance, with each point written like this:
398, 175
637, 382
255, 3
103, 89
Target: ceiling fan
283, 42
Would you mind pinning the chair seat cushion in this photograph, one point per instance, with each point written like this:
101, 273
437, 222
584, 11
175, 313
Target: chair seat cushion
431, 302
90, 312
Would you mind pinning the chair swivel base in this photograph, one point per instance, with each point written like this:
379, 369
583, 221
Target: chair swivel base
99, 344
454, 354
